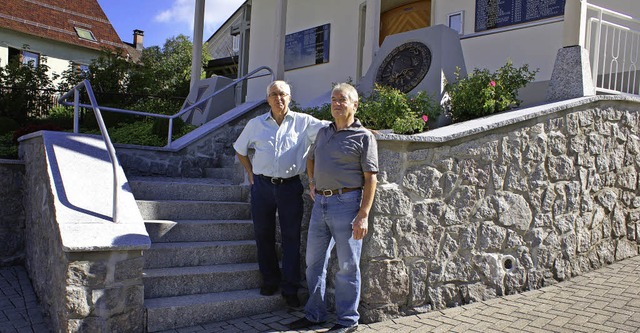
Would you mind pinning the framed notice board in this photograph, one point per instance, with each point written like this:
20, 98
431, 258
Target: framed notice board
491, 14
307, 47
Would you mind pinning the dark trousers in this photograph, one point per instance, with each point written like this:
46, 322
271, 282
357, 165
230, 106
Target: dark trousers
286, 200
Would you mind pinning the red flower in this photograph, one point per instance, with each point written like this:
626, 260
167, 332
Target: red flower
425, 118
492, 83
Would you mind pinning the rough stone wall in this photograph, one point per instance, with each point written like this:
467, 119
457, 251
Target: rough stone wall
503, 211
214, 150
79, 291
45, 259
11, 213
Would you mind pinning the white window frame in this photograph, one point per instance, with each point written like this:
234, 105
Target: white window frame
461, 27
82, 34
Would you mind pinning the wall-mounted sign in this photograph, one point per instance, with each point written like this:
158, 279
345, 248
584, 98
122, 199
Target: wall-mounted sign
491, 14
307, 47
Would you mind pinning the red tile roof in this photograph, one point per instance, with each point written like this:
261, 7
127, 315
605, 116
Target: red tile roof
56, 19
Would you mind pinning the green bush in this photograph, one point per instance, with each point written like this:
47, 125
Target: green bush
8, 148
8, 125
388, 108
482, 93
161, 126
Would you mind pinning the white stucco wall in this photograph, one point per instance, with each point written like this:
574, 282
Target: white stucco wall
532, 43
308, 82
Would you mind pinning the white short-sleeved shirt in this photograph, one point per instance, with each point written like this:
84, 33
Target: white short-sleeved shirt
280, 151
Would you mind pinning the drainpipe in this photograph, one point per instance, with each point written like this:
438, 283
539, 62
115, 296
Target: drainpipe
198, 27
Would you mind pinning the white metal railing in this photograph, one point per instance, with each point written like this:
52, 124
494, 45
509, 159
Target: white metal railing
103, 129
105, 135
613, 42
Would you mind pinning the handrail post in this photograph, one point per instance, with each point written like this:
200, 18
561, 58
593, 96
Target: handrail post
76, 110
170, 131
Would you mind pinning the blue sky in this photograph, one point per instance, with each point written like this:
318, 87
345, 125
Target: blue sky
163, 19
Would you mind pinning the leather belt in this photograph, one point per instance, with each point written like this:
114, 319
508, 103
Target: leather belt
277, 180
328, 193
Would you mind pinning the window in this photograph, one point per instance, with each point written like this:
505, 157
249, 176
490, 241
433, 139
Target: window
25, 57
456, 21
80, 69
85, 34
236, 43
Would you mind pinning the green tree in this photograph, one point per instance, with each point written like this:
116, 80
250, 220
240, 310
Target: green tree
26, 90
165, 71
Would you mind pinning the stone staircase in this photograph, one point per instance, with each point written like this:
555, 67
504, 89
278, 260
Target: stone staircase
201, 266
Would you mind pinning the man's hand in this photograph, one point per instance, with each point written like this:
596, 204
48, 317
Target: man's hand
312, 190
360, 226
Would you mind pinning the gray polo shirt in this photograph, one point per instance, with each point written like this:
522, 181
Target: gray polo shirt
341, 157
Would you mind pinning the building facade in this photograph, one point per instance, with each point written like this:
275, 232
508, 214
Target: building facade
67, 33
491, 33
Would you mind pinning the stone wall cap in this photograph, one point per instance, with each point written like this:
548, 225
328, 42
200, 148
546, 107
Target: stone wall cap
475, 126
81, 185
87, 237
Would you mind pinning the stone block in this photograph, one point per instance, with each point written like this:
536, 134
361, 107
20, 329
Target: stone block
571, 76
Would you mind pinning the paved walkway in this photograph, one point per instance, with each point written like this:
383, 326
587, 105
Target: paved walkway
19, 307
604, 300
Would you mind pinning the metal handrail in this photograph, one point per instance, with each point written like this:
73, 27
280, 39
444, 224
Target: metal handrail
105, 136
618, 53
103, 129
203, 100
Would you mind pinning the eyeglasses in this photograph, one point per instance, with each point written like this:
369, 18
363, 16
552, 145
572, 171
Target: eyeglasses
278, 94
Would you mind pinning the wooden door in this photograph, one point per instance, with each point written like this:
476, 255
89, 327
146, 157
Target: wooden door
407, 17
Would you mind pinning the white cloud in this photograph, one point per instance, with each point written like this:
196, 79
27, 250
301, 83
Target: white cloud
216, 13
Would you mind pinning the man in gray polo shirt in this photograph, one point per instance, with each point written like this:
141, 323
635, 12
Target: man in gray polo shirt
342, 167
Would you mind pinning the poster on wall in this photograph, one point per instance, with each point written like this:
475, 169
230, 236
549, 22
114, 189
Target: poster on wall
491, 14
307, 47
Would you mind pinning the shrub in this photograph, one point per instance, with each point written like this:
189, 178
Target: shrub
388, 108
34, 128
482, 93
8, 125
8, 149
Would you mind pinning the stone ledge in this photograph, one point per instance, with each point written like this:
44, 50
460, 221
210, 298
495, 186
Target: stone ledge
475, 126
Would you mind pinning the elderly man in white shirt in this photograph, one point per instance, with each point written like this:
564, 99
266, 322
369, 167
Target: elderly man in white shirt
281, 139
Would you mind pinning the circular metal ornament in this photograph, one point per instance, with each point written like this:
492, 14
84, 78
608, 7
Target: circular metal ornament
405, 66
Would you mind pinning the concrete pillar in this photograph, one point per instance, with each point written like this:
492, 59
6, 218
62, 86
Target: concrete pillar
372, 33
198, 27
280, 33
571, 77
575, 23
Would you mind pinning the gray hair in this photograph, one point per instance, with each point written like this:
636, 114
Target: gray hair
280, 84
347, 89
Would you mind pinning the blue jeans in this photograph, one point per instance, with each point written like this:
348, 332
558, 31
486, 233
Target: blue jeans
331, 224
286, 199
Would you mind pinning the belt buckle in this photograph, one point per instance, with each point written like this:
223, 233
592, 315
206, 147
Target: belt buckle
327, 193
276, 181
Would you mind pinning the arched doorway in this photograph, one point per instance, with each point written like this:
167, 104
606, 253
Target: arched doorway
400, 16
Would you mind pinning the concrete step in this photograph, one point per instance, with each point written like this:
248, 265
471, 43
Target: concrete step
193, 210
233, 174
181, 311
199, 230
176, 281
207, 189
184, 254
